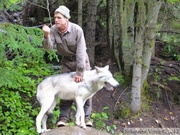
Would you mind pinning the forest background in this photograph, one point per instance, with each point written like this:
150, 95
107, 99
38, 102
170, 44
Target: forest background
121, 33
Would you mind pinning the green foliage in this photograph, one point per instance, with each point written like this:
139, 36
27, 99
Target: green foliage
156, 74
56, 114
173, 1
22, 67
125, 110
119, 77
100, 120
11, 4
111, 128
174, 78
171, 49
15, 114
145, 97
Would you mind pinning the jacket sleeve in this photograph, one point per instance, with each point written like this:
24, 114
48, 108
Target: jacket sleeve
49, 43
80, 53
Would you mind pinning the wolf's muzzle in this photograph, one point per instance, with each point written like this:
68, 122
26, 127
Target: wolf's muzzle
110, 87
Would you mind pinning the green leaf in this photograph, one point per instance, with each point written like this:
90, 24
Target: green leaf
19, 77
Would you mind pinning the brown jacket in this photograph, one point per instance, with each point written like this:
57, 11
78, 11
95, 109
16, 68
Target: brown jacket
70, 44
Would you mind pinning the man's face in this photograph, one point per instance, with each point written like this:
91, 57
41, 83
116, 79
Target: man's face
60, 20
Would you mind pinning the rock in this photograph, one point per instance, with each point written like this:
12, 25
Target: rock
74, 130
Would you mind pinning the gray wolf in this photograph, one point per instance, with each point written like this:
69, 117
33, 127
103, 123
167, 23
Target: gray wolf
64, 87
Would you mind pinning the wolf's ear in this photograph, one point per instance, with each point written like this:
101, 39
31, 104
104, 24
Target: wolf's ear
107, 67
97, 69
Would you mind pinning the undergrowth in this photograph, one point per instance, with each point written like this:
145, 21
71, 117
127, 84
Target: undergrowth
22, 67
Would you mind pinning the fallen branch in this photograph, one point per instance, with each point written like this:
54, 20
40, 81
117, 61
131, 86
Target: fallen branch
160, 123
167, 100
165, 89
119, 98
169, 64
161, 86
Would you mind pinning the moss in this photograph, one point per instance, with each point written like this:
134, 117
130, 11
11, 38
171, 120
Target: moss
125, 111
145, 96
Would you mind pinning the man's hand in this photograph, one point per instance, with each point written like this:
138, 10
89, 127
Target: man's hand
46, 31
78, 78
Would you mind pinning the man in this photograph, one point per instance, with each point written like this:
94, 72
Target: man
68, 39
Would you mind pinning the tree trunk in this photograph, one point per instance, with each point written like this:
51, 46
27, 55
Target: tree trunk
153, 8
117, 45
91, 25
139, 39
110, 28
127, 25
80, 13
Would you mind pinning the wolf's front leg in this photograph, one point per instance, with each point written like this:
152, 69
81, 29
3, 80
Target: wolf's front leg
80, 115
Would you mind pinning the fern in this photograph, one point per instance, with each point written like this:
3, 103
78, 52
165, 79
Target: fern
19, 75
10, 4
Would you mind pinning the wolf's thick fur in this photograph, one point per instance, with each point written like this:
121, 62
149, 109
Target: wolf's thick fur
64, 87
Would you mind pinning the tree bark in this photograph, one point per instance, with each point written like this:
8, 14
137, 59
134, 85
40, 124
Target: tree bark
110, 28
137, 71
153, 8
117, 44
127, 25
91, 25
80, 13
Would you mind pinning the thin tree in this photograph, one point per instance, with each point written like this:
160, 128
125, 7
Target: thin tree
153, 8
80, 13
137, 66
90, 31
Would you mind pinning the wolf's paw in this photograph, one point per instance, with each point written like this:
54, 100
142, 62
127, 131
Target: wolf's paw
78, 123
83, 125
40, 131
43, 130
47, 130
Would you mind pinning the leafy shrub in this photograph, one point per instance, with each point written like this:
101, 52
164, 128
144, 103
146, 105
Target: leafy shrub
171, 49
22, 67
100, 121
10, 4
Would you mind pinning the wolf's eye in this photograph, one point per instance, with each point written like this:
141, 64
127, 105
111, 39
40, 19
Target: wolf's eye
101, 77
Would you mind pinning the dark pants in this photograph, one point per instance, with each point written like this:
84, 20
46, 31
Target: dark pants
65, 105
65, 109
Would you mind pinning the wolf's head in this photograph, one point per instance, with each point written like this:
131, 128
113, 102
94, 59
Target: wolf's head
106, 78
